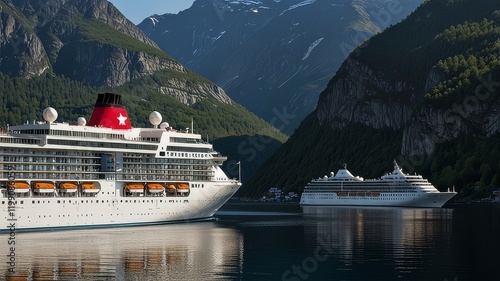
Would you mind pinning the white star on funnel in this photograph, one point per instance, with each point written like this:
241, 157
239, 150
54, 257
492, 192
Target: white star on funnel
121, 119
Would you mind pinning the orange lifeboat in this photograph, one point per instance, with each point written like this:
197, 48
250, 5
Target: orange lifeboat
89, 187
21, 187
68, 187
43, 187
182, 187
155, 187
341, 194
171, 188
134, 187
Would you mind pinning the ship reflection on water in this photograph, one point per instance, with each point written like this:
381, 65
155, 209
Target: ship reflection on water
197, 251
379, 243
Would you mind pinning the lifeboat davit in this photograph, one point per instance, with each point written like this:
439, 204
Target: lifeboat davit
68, 187
43, 187
89, 187
155, 187
182, 187
134, 187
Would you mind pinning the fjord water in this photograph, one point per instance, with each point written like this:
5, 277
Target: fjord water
275, 242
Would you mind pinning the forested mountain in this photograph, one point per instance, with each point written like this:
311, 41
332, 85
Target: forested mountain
61, 53
424, 92
273, 57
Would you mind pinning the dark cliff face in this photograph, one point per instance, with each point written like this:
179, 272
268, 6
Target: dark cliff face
280, 52
21, 50
396, 79
361, 94
89, 40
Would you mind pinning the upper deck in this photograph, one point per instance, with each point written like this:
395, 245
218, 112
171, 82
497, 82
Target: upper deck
105, 149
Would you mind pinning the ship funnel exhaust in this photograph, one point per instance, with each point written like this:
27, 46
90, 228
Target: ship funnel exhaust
109, 112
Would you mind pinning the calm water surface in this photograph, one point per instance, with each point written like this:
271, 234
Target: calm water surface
275, 242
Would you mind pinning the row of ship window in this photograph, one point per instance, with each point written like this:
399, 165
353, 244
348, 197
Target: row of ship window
97, 201
91, 215
363, 198
185, 154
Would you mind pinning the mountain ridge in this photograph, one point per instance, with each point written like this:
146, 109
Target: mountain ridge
272, 50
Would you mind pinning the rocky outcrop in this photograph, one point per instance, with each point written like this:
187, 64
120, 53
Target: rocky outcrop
102, 64
477, 115
361, 94
21, 51
88, 41
189, 93
55, 40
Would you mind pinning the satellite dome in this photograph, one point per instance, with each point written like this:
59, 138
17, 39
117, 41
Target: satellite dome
82, 121
164, 125
50, 114
155, 118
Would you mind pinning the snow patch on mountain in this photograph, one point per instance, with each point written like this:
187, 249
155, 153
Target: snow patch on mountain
303, 3
245, 2
153, 20
311, 48
219, 36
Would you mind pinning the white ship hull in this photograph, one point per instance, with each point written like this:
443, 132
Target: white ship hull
108, 208
422, 200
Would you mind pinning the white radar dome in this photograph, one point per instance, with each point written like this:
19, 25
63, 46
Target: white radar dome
164, 125
155, 118
82, 121
50, 114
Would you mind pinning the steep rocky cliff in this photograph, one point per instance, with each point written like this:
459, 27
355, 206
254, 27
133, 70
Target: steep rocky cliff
392, 91
362, 94
88, 40
92, 42
477, 116
21, 50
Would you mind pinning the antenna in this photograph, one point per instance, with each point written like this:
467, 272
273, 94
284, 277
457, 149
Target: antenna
192, 125
239, 171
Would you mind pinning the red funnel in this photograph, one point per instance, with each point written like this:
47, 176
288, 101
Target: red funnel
109, 112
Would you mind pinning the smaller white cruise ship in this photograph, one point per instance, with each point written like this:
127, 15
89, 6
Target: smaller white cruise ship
392, 189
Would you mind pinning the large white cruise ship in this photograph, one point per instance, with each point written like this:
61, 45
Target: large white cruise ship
106, 173
392, 189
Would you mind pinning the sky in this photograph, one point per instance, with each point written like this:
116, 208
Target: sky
138, 10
